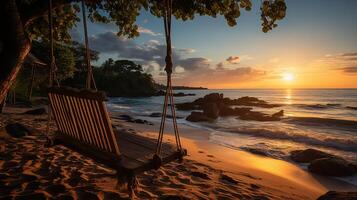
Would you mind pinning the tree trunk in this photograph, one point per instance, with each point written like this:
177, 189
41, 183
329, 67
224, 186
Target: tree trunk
14, 45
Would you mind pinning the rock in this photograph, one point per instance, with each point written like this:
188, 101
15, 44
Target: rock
38, 111
187, 106
198, 117
256, 151
351, 107
179, 94
250, 101
155, 114
211, 110
278, 114
258, 116
333, 195
308, 155
331, 167
160, 93
124, 117
213, 98
228, 111
17, 130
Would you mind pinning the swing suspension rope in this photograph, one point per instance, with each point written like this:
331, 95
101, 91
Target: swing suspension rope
169, 92
90, 82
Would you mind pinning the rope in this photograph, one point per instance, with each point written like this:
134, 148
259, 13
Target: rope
90, 78
169, 90
50, 27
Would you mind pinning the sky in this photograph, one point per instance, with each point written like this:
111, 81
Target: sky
314, 46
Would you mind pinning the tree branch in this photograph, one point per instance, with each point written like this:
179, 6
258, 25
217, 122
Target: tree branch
38, 9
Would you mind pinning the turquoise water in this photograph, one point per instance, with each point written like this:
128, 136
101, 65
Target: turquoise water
318, 118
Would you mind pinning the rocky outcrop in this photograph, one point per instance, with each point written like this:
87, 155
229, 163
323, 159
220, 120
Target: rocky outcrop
333, 195
228, 111
157, 114
323, 163
259, 116
211, 110
214, 105
179, 94
218, 98
198, 117
332, 166
308, 155
129, 118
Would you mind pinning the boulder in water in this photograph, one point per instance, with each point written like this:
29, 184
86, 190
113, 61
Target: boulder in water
211, 110
331, 167
333, 195
213, 98
198, 117
187, 106
308, 155
278, 114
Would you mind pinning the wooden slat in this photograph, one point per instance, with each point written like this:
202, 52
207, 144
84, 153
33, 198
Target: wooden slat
94, 132
80, 121
84, 122
100, 131
74, 119
62, 110
101, 126
56, 112
76, 110
108, 127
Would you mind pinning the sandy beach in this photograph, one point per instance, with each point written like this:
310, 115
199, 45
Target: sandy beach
29, 170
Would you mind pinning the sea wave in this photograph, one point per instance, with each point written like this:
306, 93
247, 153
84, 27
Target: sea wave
328, 141
329, 122
318, 106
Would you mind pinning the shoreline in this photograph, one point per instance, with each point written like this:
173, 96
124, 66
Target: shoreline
209, 171
231, 161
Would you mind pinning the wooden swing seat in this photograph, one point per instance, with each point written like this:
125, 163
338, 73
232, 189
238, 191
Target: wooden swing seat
84, 126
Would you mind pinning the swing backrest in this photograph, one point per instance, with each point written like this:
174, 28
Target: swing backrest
81, 115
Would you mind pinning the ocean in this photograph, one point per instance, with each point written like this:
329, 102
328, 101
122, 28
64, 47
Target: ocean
324, 119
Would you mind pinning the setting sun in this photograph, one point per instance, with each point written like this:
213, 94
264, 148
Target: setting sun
288, 76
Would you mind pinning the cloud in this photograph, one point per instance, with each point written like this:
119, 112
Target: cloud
147, 54
345, 62
148, 31
274, 60
187, 50
354, 54
109, 42
233, 59
349, 69
188, 70
219, 66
